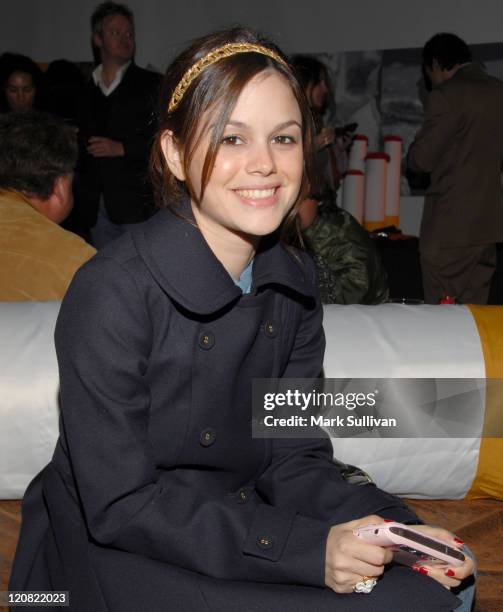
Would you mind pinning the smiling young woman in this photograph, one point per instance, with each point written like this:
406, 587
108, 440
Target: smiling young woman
158, 497
257, 172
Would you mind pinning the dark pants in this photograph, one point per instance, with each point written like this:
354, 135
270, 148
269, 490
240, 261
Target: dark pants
462, 272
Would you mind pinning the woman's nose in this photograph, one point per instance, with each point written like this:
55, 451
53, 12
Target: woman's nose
261, 160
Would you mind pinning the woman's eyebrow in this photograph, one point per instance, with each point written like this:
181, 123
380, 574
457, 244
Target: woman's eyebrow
280, 126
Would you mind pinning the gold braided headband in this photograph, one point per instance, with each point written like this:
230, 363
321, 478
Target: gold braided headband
212, 58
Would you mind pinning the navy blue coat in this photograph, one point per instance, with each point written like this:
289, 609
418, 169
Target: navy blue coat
158, 497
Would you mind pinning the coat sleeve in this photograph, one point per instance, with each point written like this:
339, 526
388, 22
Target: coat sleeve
439, 127
103, 341
302, 474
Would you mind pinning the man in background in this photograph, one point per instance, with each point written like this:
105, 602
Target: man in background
116, 129
461, 145
37, 257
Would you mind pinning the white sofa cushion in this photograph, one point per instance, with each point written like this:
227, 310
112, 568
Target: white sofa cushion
29, 386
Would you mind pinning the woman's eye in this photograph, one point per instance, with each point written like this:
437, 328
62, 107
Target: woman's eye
285, 139
232, 140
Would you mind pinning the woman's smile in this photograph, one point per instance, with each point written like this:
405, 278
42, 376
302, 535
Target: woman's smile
262, 197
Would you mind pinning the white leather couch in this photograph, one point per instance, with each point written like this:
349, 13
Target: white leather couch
390, 340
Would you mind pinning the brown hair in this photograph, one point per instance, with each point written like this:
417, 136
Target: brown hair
107, 9
217, 87
35, 149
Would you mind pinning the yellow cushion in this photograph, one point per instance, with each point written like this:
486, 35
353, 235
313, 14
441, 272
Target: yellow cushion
488, 481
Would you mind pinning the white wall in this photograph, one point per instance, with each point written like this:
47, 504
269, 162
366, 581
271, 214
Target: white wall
51, 29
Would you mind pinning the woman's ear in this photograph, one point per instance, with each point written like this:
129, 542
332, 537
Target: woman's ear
172, 155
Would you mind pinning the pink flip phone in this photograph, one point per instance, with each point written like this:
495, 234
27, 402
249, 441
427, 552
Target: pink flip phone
410, 546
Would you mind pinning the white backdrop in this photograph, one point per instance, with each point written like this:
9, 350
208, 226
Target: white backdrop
52, 29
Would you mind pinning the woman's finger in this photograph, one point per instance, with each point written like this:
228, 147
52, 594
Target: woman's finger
438, 573
371, 519
462, 572
359, 568
441, 534
344, 582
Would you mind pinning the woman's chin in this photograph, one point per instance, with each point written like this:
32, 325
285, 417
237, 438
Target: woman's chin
262, 228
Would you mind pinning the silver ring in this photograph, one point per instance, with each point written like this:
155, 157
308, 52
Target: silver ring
365, 585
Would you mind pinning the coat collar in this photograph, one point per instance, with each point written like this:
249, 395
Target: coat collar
183, 264
469, 69
14, 196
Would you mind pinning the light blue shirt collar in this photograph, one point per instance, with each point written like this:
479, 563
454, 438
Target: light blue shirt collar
245, 280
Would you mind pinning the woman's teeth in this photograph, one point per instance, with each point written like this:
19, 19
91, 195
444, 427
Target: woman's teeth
256, 194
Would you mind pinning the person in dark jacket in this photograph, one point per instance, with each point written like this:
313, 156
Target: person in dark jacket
158, 496
116, 129
65, 83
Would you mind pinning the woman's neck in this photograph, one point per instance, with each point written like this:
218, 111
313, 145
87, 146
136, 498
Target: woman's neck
233, 249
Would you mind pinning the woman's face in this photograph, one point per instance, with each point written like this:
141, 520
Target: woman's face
259, 165
20, 92
317, 94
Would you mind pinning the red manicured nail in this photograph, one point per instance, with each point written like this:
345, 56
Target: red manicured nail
423, 570
458, 541
449, 572
388, 521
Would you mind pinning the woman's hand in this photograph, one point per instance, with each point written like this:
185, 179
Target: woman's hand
325, 137
349, 558
99, 146
447, 575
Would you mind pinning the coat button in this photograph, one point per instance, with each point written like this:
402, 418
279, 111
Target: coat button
206, 340
242, 496
207, 437
265, 542
270, 329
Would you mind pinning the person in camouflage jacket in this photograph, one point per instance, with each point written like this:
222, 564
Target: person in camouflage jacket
348, 263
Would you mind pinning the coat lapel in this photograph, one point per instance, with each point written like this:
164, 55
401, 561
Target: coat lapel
183, 264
